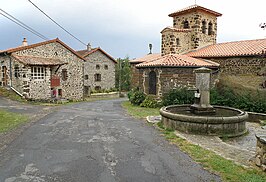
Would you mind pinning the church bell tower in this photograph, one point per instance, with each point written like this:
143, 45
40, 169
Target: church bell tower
193, 27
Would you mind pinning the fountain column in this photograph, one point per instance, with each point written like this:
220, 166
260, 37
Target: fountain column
202, 97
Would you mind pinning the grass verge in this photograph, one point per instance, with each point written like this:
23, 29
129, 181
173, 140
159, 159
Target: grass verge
228, 170
140, 112
11, 95
9, 120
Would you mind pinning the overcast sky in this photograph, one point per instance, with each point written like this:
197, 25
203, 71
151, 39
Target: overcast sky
123, 27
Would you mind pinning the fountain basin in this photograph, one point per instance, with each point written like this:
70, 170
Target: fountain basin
226, 121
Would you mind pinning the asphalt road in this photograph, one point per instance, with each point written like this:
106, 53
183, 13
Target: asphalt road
96, 141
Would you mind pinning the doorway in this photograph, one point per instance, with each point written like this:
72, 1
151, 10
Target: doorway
152, 82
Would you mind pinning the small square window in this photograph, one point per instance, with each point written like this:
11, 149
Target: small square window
64, 74
106, 67
86, 77
97, 67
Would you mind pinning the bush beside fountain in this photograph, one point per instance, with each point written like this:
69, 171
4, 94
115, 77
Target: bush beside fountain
201, 117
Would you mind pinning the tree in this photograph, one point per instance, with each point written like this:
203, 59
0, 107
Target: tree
123, 74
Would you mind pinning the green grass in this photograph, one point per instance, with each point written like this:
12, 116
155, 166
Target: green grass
140, 112
9, 120
11, 95
228, 170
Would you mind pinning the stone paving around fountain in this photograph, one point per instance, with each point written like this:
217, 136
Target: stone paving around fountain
241, 150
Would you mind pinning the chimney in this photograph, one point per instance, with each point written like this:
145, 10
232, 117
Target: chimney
89, 47
150, 46
24, 42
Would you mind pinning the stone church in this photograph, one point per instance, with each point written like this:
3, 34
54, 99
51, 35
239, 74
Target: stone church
191, 43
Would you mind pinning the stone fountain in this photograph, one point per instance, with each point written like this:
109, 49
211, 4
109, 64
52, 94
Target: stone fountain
203, 118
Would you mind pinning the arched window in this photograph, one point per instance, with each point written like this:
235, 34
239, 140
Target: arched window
186, 24
204, 27
210, 32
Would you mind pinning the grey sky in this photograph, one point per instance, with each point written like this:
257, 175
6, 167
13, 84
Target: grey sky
123, 27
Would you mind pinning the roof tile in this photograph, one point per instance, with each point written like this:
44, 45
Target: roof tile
37, 61
193, 8
177, 60
231, 49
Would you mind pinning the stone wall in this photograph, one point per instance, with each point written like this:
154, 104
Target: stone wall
169, 78
72, 87
135, 75
106, 67
5, 62
261, 151
241, 65
171, 45
191, 39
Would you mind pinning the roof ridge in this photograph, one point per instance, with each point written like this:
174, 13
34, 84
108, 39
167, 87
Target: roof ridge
236, 41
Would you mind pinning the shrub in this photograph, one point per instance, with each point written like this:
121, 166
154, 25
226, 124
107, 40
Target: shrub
178, 96
150, 102
136, 97
246, 100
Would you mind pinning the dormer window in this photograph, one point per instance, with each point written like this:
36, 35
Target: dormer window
204, 27
210, 32
186, 25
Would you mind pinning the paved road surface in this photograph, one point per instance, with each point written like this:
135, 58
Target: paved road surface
96, 141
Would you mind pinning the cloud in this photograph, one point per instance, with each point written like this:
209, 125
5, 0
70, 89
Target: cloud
124, 27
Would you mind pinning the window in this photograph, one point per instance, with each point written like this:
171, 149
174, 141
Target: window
64, 74
210, 29
86, 77
177, 42
203, 28
37, 73
16, 72
97, 67
186, 24
97, 88
97, 77
106, 67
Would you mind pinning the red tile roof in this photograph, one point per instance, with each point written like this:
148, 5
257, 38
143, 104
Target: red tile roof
177, 60
37, 61
231, 49
20, 48
148, 57
176, 29
85, 53
194, 8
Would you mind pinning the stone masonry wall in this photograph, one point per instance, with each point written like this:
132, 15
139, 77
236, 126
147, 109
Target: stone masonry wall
169, 78
135, 75
107, 75
72, 87
194, 38
260, 158
170, 45
241, 65
4, 61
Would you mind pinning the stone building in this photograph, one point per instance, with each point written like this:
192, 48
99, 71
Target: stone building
45, 70
171, 71
193, 27
194, 34
99, 69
